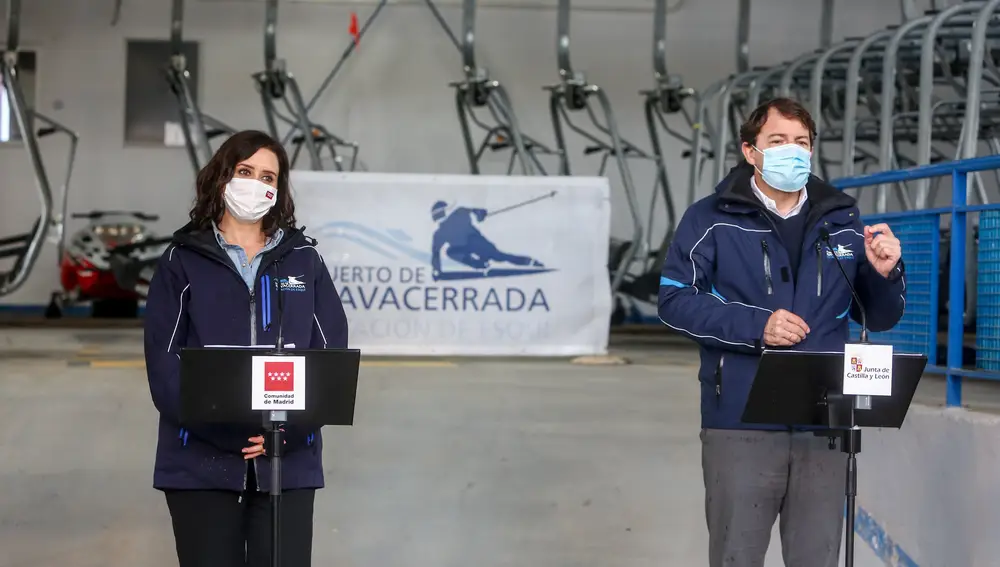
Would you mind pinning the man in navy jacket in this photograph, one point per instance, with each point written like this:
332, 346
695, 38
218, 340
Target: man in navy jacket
749, 269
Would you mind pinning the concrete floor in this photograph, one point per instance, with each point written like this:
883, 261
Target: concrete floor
450, 463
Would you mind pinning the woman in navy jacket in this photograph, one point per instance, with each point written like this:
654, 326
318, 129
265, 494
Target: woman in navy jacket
207, 290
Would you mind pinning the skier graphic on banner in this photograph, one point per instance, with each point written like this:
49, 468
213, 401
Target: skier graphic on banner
459, 237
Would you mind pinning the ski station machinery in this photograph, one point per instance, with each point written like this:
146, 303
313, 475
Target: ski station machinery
668, 96
30, 126
274, 84
479, 90
574, 94
199, 129
921, 92
87, 272
133, 263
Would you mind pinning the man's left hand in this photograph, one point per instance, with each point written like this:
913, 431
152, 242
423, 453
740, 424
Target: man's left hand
882, 248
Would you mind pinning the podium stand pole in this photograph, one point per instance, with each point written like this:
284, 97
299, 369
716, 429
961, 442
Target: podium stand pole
273, 421
791, 389
329, 378
850, 443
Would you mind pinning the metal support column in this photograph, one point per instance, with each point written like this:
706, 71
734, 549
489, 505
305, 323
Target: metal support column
956, 287
743, 37
826, 24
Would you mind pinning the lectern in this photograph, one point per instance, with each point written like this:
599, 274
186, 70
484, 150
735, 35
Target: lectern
270, 387
807, 389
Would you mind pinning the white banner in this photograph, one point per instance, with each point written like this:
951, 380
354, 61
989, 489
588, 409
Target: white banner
464, 264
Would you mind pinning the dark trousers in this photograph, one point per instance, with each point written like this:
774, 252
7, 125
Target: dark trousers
220, 529
754, 477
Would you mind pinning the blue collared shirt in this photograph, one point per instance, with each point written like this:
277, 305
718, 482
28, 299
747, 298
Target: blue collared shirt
247, 268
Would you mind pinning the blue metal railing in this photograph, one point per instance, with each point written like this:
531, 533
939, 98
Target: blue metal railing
958, 209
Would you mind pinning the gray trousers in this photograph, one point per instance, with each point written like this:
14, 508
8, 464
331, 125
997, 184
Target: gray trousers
752, 477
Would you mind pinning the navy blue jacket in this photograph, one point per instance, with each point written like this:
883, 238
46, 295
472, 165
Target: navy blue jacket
198, 298
727, 271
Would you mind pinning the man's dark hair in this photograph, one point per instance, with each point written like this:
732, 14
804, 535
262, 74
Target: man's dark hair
789, 108
212, 179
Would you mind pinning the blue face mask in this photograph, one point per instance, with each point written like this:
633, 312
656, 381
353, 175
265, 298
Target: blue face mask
786, 167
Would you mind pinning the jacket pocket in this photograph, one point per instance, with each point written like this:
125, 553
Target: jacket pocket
767, 268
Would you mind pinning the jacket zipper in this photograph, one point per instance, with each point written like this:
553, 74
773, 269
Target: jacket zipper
819, 269
767, 267
253, 342
718, 380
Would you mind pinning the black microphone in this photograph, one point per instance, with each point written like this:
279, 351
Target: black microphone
824, 235
279, 342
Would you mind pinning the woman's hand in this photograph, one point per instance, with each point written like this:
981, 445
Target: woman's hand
255, 450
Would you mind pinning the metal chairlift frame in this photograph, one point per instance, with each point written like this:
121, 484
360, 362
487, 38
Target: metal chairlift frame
721, 143
703, 135
478, 90
198, 127
748, 83
881, 39
850, 71
970, 33
25, 248
276, 83
926, 94
887, 158
667, 97
573, 93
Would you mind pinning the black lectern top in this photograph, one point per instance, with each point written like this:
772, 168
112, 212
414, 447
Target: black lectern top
791, 388
216, 385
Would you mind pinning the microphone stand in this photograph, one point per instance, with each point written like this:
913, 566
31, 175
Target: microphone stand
273, 421
850, 439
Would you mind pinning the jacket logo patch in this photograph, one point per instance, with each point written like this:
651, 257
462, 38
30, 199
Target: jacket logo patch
292, 283
843, 252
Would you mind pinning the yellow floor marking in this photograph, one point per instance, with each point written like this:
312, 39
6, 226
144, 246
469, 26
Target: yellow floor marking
117, 364
410, 364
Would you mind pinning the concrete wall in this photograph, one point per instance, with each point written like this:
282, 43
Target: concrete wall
931, 488
392, 97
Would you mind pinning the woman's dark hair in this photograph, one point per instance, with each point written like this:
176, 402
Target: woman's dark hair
212, 179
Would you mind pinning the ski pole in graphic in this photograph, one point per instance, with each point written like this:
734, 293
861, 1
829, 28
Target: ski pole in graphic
521, 204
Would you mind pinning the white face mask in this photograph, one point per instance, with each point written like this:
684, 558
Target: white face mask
248, 200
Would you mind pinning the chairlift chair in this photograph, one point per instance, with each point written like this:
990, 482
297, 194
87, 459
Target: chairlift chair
199, 129
477, 91
668, 96
275, 83
573, 94
25, 248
